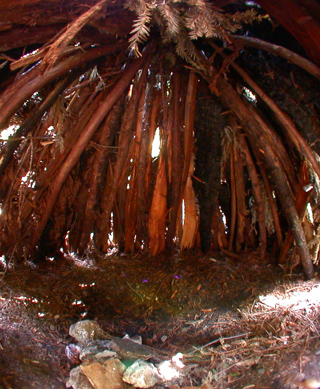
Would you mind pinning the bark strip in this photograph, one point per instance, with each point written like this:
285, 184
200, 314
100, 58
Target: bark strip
289, 55
257, 194
24, 129
23, 87
284, 119
82, 142
232, 100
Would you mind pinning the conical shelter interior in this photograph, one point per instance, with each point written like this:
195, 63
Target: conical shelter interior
160, 128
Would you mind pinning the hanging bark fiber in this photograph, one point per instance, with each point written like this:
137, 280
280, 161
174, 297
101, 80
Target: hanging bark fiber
86, 92
259, 138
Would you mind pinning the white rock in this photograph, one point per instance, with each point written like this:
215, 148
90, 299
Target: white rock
168, 371
141, 374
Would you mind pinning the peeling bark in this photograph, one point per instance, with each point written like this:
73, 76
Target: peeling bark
30, 82
81, 144
232, 100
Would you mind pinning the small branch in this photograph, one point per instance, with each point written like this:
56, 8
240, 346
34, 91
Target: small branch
24, 86
221, 340
27, 126
289, 55
135, 291
60, 44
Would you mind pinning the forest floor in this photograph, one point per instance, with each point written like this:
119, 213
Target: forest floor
239, 323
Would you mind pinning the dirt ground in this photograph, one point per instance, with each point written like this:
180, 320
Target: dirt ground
240, 323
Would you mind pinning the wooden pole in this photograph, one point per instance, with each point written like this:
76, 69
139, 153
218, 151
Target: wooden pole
255, 131
82, 142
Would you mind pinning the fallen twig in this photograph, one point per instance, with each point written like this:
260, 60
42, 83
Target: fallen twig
217, 341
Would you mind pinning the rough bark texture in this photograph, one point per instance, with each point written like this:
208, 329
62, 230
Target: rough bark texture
237, 121
209, 126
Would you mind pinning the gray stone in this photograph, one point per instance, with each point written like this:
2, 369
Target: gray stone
94, 348
141, 374
106, 354
135, 338
87, 330
105, 376
164, 338
128, 349
77, 380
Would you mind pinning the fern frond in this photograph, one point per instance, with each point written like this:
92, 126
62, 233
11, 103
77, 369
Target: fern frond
186, 50
132, 5
202, 20
248, 16
171, 18
141, 30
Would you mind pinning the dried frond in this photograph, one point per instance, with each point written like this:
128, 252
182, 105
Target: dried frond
60, 44
203, 20
171, 58
132, 5
139, 33
58, 111
248, 16
198, 20
186, 50
141, 30
171, 18
181, 21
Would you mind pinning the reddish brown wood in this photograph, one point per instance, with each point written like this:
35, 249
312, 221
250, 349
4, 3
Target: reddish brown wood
311, 6
242, 213
22, 36
285, 121
154, 117
120, 169
190, 107
190, 228
176, 157
279, 149
257, 194
280, 51
98, 166
23, 87
136, 184
233, 197
58, 47
80, 145
142, 161
274, 139
298, 22
31, 122
158, 211
301, 201
256, 132
272, 202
